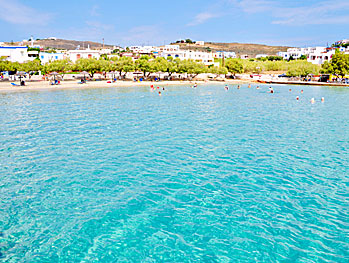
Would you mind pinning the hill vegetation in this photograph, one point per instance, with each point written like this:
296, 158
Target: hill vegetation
239, 48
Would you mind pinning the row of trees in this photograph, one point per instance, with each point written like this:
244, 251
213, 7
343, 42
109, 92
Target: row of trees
339, 66
121, 65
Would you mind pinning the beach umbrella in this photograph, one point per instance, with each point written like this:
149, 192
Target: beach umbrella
54, 74
84, 73
20, 74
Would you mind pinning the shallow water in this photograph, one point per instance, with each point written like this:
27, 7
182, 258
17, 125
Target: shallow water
196, 175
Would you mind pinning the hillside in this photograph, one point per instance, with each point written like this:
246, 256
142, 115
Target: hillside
64, 44
239, 48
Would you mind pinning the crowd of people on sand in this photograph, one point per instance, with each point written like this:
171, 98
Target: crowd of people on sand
226, 87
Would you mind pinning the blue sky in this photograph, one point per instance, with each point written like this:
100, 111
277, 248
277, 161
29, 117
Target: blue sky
155, 22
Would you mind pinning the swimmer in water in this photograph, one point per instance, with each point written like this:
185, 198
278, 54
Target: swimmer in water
322, 99
297, 98
159, 93
302, 91
238, 86
271, 90
257, 87
249, 86
226, 87
163, 88
312, 101
290, 90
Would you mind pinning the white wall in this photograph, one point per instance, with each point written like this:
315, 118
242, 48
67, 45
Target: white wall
15, 54
49, 57
74, 55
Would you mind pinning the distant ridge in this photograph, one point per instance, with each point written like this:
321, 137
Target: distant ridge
239, 48
65, 44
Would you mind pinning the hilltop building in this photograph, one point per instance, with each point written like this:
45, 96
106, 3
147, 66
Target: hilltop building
226, 54
315, 55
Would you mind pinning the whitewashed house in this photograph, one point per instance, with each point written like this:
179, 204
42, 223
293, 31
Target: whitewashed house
14, 54
49, 57
198, 56
226, 54
74, 55
261, 55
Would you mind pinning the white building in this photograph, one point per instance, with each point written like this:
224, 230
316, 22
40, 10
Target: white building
198, 56
200, 43
49, 57
168, 48
142, 49
227, 54
261, 55
14, 54
74, 55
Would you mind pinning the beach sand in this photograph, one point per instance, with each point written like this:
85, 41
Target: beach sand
45, 85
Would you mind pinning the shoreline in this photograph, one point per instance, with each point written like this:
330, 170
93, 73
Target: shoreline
44, 85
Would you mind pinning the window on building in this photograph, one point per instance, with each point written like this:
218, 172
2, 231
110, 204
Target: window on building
89, 56
56, 57
78, 56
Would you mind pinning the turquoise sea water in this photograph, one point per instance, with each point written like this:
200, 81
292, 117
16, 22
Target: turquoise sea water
196, 175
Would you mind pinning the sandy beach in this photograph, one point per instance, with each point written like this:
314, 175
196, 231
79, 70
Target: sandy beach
45, 85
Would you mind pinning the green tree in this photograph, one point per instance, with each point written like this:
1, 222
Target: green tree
91, 65
123, 64
143, 64
31, 66
218, 71
58, 66
234, 66
302, 68
339, 64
